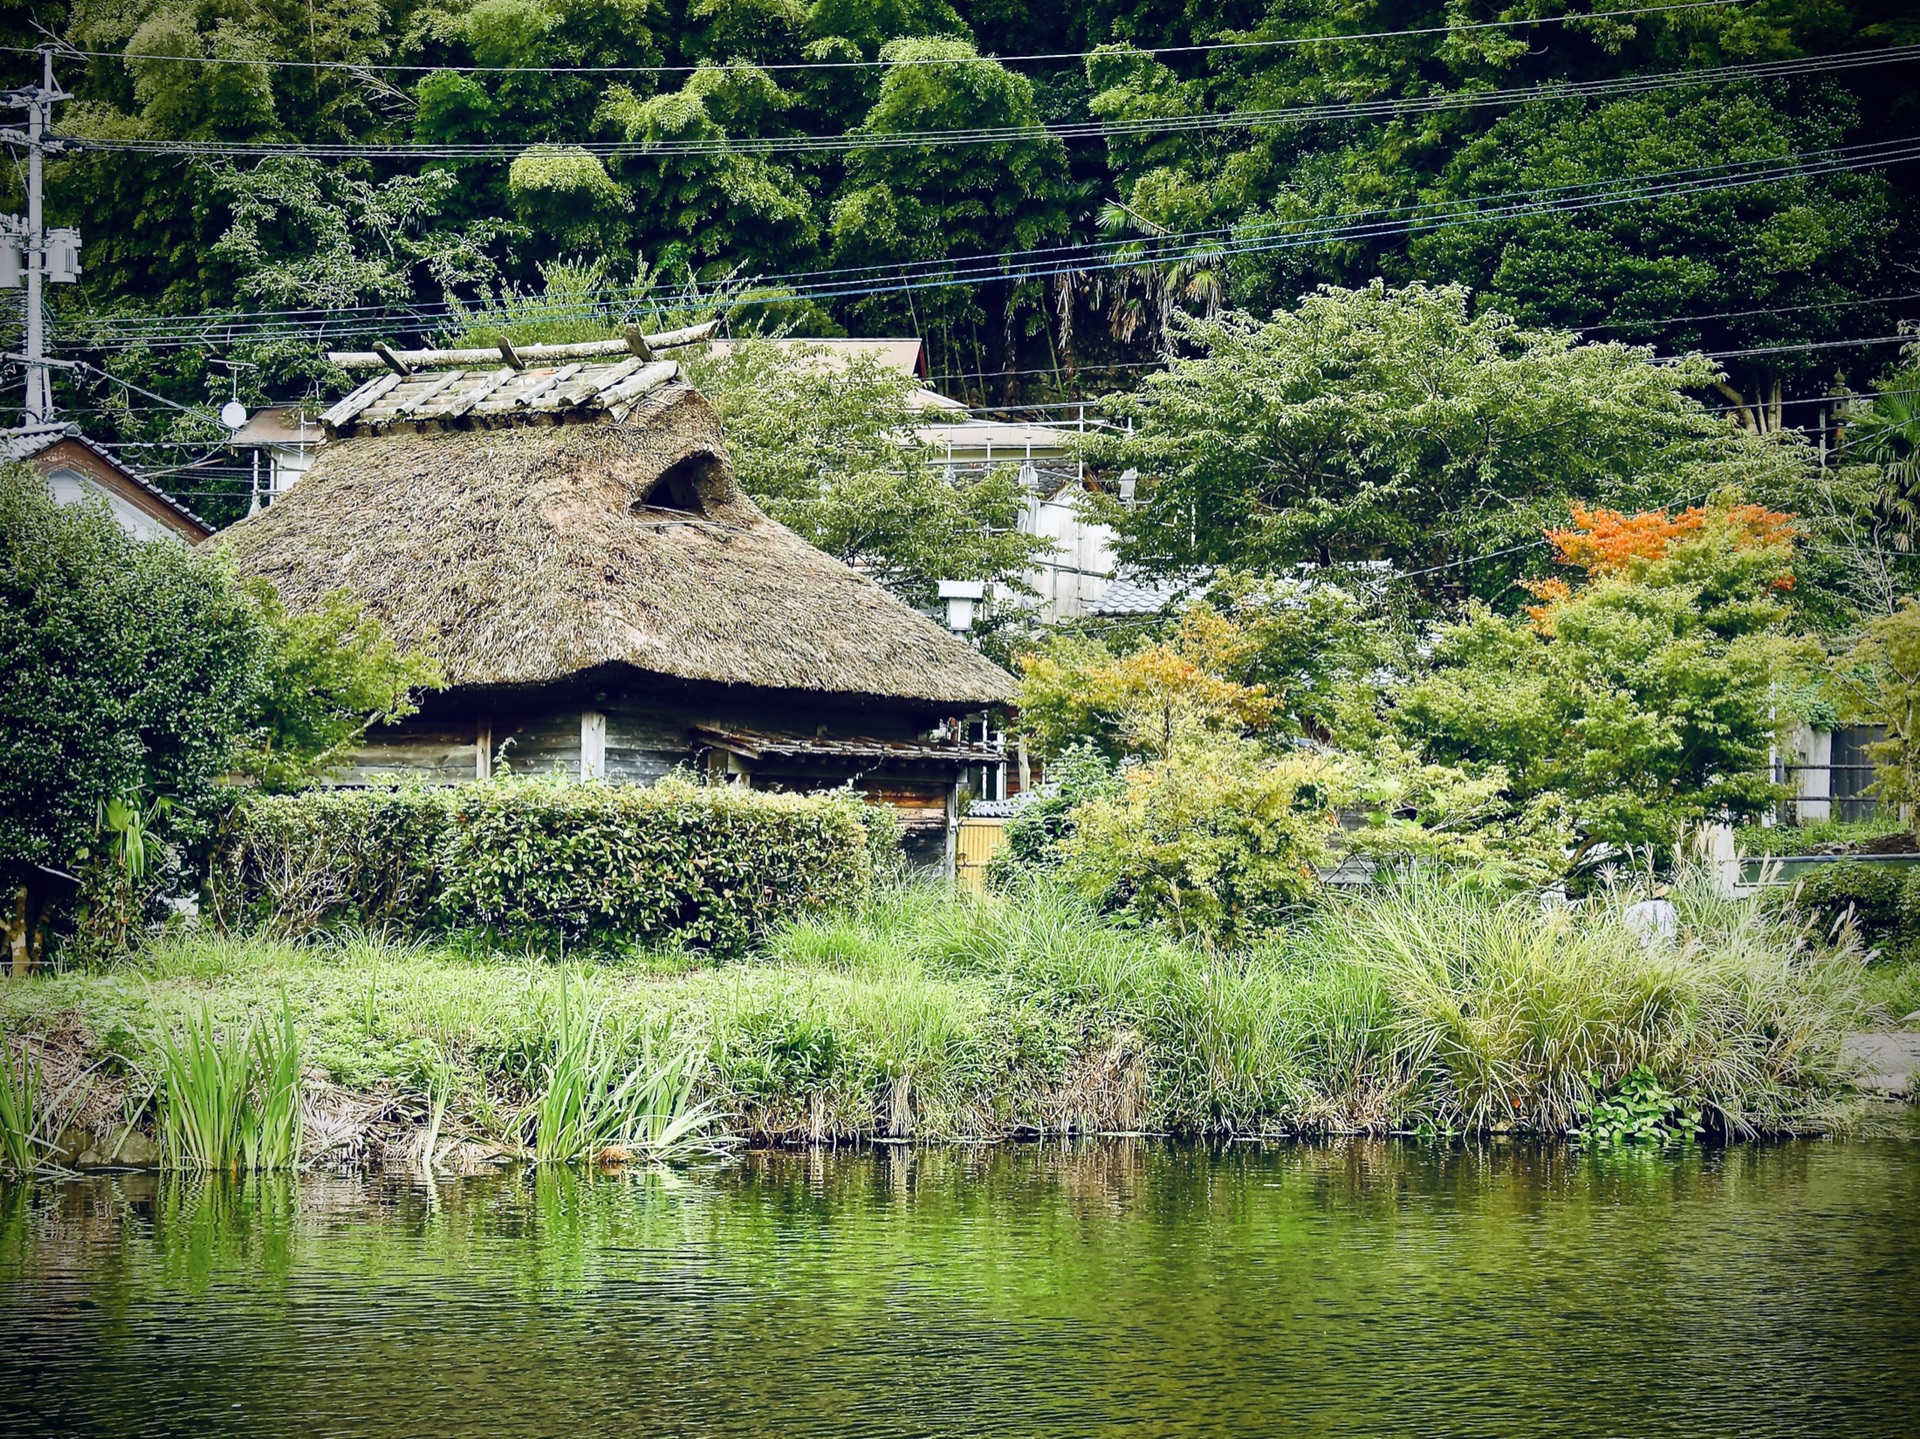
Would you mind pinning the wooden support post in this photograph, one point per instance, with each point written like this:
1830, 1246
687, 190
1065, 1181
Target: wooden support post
483, 749
593, 745
392, 361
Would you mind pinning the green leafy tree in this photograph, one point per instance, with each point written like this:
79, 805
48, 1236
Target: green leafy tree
142, 677
1216, 841
1886, 434
712, 208
1881, 686
828, 451
131, 669
563, 196
1399, 424
328, 676
308, 235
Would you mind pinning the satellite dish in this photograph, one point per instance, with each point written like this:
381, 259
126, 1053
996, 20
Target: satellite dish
233, 414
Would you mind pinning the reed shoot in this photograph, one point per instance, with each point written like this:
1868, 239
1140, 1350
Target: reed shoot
230, 1098
609, 1095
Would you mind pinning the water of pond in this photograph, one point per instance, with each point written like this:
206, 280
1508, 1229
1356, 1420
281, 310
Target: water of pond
1116, 1289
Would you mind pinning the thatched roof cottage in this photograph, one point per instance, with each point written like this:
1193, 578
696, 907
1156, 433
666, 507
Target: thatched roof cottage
568, 541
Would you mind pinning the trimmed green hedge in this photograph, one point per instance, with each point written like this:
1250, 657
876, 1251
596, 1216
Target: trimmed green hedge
678, 862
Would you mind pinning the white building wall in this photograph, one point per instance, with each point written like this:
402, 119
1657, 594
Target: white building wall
1080, 567
1813, 784
70, 488
287, 463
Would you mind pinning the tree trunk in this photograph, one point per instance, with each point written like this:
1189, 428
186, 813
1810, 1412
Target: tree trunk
1063, 286
1009, 347
17, 934
1742, 415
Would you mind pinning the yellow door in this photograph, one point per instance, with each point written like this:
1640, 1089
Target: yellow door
980, 840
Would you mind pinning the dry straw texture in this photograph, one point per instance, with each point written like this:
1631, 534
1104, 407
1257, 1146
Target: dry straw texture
528, 553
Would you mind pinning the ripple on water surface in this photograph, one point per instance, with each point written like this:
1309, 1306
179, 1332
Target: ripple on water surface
1118, 1288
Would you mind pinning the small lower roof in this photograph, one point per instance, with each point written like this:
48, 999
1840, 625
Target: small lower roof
753, 744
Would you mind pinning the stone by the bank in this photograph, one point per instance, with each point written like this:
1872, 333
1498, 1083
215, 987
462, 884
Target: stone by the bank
1887, 1060
122, 1149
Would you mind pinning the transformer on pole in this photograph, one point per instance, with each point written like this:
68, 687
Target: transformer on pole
30, 252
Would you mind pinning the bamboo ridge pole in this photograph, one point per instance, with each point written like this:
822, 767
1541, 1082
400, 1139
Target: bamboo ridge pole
403, 362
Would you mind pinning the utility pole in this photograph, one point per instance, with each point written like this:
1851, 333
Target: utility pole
28, 248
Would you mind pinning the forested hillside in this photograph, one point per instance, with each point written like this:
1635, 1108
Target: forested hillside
1035, 188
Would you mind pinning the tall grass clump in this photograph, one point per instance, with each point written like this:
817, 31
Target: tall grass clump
1048, 940
229, 1097
1509, 1014
30, 1122
610, 1094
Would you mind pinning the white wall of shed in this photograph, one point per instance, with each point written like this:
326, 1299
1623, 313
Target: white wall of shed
1813, 783
69, 487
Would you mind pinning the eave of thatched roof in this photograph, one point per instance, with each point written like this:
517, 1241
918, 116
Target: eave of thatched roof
531, 552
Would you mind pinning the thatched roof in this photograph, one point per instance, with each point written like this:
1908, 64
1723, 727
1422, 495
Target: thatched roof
519, 553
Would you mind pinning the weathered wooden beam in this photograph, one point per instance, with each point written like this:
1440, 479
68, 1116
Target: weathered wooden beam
647, 377
359, 400
392, 361
534, 391
583, 386
416, 403
525, 354
466, 402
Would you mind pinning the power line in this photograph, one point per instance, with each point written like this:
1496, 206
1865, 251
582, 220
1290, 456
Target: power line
1099, 129
1210, 47
1849, 304
224, 320
1906, 339
1137, 253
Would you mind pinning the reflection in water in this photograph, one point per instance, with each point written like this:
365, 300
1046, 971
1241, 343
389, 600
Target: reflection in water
1122, 1288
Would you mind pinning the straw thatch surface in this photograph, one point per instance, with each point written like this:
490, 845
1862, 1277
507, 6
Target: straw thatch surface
529, 553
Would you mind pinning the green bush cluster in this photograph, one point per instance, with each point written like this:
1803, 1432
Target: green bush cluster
678, 863
1884, 901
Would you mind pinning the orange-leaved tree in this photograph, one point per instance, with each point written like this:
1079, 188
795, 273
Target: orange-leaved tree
1646, 690
1737, 555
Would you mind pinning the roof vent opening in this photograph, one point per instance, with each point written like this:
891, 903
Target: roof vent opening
686, 487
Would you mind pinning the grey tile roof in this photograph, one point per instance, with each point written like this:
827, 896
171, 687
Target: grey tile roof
1128, 597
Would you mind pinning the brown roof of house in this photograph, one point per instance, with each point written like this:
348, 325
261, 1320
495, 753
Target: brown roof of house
280, 425
520, 544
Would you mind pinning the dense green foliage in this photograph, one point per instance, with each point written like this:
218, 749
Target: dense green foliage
131, 668
1650, 696
1882, 687
706, 866
1167, 210
1880, 901
1640, 1110
143, 678
330, 675
1399, 424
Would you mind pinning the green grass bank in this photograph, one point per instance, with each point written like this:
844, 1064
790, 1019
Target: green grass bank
922, 1015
